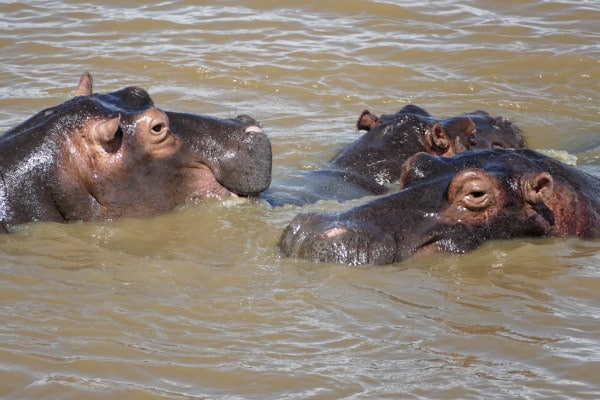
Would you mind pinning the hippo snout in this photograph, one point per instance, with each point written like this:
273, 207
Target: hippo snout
318, 238
236, 151
248, 171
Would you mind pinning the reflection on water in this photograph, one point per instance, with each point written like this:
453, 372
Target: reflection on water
200, 304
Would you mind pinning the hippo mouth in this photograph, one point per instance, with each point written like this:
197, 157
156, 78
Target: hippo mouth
429, 246
376, 247
454, 239
346, 244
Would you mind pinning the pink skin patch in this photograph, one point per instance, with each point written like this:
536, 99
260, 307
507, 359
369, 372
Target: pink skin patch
334, 232
253, 128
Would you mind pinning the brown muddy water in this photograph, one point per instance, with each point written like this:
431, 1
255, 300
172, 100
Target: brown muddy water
199, 304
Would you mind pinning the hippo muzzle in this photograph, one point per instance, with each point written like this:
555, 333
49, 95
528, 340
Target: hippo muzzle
383, 231
248, 171
237, 151
319, 238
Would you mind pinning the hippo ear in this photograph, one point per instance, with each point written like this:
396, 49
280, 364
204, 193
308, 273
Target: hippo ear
367, 121
467, 127
84, 88
437, 139
463, 131
108, 135
538, 189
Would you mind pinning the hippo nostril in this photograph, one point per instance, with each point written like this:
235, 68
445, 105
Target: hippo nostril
253, 129
334, 232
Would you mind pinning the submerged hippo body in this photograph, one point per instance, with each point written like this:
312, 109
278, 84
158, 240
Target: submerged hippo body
368, 165
106, 156
453, 205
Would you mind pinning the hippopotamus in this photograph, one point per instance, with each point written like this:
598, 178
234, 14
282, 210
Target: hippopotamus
370, 164
113, 155
392, 138
453, 205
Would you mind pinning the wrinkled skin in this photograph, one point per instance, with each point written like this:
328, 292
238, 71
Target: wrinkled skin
368, 165
454, 205
107, 156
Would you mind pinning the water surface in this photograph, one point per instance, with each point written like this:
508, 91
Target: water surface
199, 303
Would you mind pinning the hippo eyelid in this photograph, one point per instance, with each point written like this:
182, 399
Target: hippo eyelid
476, 199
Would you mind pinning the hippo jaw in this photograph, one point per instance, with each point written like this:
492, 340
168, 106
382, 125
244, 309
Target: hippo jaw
418, 220
236, 151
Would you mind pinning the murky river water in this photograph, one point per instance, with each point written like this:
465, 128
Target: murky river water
200, 304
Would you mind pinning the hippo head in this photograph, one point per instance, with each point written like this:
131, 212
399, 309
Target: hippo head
380, 152
453, 205
392, 138
148, 161
494, 132
104, 156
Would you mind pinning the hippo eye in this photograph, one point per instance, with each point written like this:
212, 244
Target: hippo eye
473, 140
159, 129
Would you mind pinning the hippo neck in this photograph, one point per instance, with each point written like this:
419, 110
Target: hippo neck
28, 164
305, 187
575, 212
